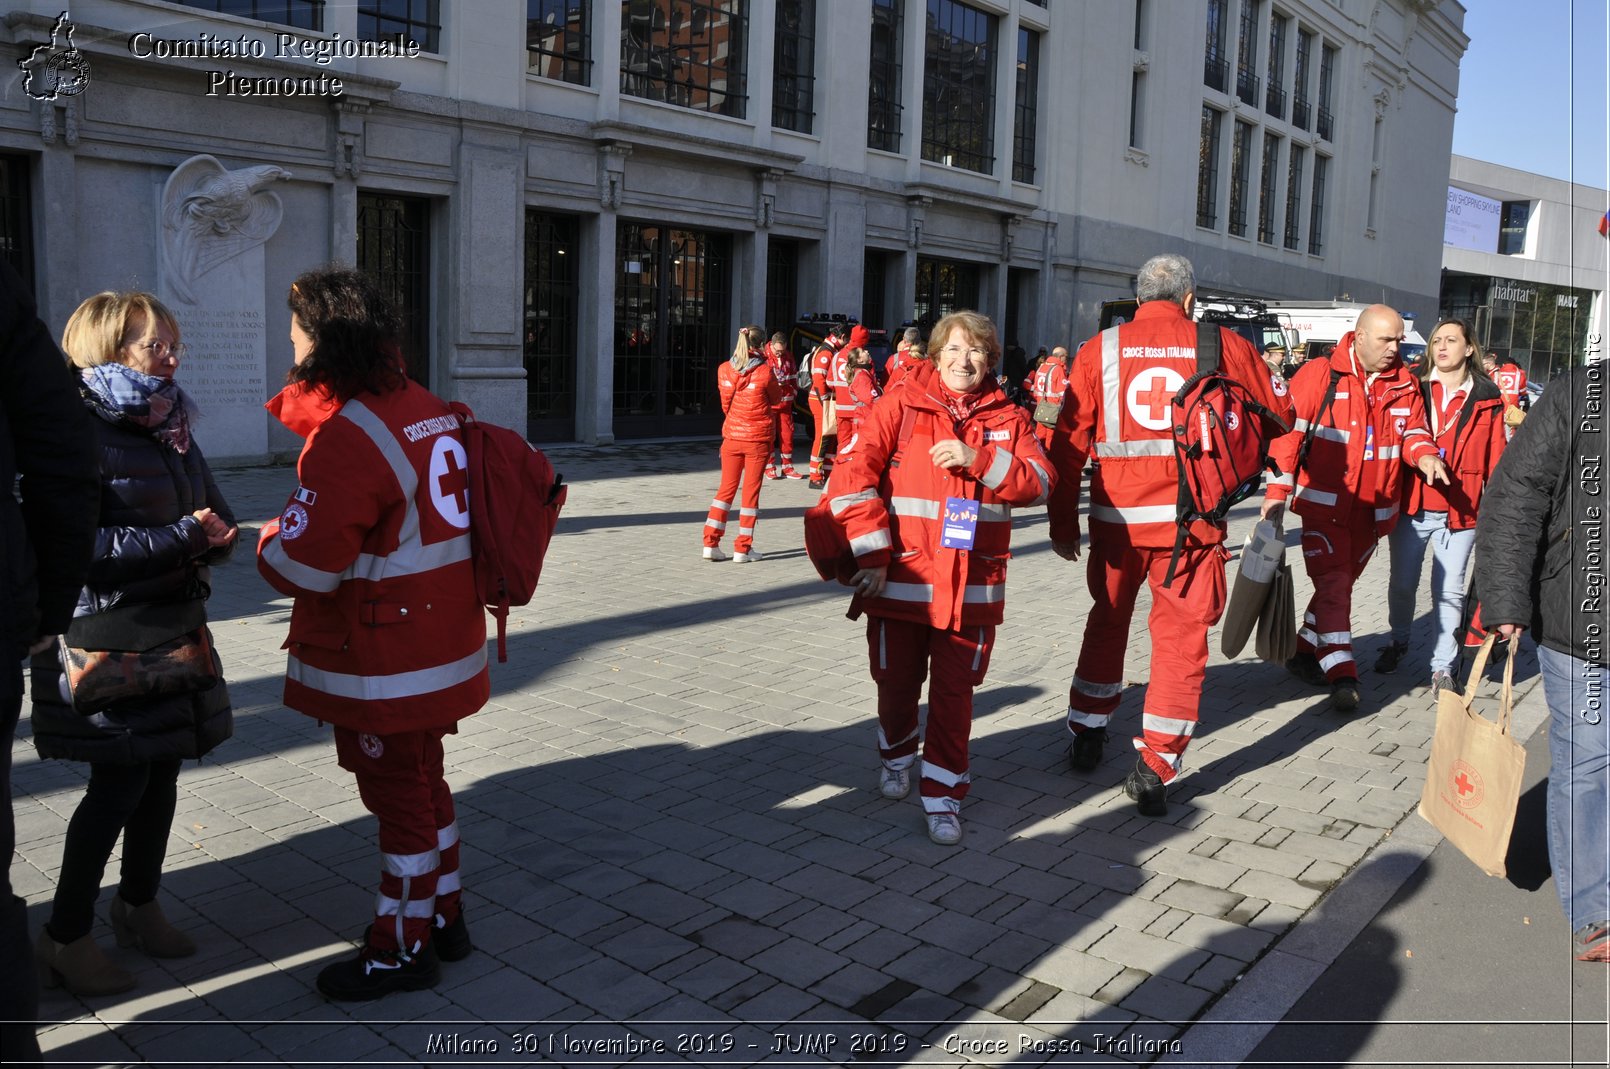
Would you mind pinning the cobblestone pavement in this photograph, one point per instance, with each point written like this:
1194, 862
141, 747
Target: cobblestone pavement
670, 820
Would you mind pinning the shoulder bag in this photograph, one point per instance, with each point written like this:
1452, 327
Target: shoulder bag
137, 651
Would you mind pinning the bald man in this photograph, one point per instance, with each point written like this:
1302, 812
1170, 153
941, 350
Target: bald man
1360, 423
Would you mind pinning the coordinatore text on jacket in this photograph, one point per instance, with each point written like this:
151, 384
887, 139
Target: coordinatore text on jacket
229, 84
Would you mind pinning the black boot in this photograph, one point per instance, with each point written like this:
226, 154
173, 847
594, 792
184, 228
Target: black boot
452, 941
1147, 789
1085, 753
373, 973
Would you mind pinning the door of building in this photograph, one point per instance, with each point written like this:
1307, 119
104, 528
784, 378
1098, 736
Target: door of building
673, 295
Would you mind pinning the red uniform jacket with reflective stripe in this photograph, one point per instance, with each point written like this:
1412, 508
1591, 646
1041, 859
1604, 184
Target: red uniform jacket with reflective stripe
822, 372
783, 369
1117, 411
749, 398
891, 500
1361, 446
387, 632
1050, 382
1478, 442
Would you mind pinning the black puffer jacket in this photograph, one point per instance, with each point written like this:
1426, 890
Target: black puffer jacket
1541, 536
149, 550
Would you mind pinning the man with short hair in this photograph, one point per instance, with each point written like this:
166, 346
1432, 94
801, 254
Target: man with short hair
907, 352
1049, 385
1118, 410
1360, 422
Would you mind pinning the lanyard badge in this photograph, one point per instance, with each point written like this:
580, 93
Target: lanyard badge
1369, 442
960, 523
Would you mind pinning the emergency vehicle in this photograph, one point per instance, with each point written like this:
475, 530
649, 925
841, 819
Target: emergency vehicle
1319, 325
1248, 317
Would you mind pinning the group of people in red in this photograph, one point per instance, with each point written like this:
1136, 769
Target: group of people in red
1364, 447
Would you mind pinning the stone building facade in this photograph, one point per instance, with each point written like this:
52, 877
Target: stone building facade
580, 201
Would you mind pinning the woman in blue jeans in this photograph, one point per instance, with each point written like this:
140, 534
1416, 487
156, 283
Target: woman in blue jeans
1465, 411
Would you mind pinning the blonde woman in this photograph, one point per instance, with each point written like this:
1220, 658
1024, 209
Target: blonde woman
162, 523
749, 396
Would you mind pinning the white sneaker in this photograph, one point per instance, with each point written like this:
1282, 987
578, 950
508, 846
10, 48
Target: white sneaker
713, 553
894, 782
945, 828
750, 555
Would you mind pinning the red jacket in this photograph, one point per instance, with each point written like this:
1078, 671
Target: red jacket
891, 500
1134, 493
749, 398
1511, 380
901, 361
1050, 381
783, 369
1478, 441
387, 633
1370, 433
822, 371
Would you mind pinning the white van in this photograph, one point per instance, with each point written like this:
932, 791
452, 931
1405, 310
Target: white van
1319, 325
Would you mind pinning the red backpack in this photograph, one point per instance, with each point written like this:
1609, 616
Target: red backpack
515, 498
1221, 442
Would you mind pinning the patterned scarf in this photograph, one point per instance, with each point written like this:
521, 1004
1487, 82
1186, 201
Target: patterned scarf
120, 394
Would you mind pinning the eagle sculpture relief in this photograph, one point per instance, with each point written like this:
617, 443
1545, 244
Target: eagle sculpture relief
210, 214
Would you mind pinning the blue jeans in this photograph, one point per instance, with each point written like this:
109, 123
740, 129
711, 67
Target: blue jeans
1579, 757
1450, 553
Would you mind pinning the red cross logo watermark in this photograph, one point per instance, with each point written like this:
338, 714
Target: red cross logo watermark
1150, 395
450, 481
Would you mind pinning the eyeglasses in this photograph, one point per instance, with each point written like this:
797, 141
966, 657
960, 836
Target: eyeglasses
957, 350
161, 350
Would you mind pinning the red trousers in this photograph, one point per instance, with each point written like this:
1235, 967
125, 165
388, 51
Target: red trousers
745, 460
819, 467
1042, 434
785, 439
1179, 621
901, 654
1334, 555
400, 782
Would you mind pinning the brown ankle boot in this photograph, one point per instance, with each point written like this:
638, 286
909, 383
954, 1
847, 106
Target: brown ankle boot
79, 966
145, 927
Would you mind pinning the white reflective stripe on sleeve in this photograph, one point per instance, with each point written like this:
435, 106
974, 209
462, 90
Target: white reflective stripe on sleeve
1112, 412
1044, 478
1333, 434
446, 837
844, 501
1097, 690
447, 883
1167, 725
417, 907
983, 593
998, 468
940, 774
1283, 479
1334, 659
1145, 447
921, 508
298, 573
923, 592
378, 688
411, 864
1134, 514
417, 558
1318, 497
871, 542
1389, 452
1386, 513
988, 513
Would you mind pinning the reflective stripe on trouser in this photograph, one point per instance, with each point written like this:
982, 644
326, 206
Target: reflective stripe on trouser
745, 461
902, 653
784, 453
1178, 623
817, 463
400, 781
1334, 555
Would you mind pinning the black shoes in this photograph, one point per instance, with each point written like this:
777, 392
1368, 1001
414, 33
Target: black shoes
452, 942
1085, 753
1390, 658
1305, 666
1344, 695
372, 974
1147, 789
816, 483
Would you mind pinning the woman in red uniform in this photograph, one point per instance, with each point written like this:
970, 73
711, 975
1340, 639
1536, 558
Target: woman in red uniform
925, 496
863, 390
387, 637
786, 373
1466, 412
749, 396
